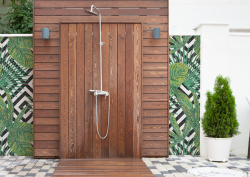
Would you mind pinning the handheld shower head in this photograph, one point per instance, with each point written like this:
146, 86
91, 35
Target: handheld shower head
91, 12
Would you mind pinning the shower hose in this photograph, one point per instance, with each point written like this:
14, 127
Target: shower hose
97, 119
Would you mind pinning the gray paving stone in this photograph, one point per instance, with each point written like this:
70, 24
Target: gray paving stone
165, 172
43, 170
158, 175
31, 174
49, 174
194, 160
173, 171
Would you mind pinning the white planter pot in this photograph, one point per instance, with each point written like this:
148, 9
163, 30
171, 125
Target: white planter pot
218, 149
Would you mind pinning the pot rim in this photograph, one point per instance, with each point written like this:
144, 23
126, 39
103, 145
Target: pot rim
219, 138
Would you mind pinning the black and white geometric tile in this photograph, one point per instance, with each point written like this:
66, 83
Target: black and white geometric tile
23, 96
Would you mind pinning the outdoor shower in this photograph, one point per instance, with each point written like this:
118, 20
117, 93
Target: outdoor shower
99, 92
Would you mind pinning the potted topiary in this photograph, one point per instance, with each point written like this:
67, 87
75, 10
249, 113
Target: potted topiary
219, 121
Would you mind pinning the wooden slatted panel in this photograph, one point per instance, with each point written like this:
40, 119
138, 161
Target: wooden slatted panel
47, 51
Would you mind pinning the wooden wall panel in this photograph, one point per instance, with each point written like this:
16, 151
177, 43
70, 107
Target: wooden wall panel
47, 60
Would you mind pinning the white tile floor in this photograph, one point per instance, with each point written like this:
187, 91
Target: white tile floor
174, 166
177, 166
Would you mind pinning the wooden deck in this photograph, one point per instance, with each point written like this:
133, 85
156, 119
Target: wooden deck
123, 167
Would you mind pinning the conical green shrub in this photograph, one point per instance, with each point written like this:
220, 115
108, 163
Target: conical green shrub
220, 119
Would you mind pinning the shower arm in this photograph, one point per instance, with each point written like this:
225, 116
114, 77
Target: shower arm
101, 43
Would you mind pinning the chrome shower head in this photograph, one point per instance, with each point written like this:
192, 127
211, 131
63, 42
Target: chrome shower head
91, 12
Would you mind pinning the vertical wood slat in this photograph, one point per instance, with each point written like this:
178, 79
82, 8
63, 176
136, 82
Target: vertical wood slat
80, 91
88, 148
105, 84
129, 90
96, 86
72, 90
113, 91
121, 90
137, 91
64, 92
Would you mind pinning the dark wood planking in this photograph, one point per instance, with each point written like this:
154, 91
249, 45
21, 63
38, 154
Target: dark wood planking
121, 78
72, 90
47, 128
96, 86
77, 4
155, 58
155, 50
52, 35
149, 35
155, 66
155, 105
47, 89
46, 50
155, 144
46, 152
154, 74
46, 136
155, 136
155, 89
150, 27
47, 121
155, 112
47, 113
80, 91
155, 42
155, 97
129, 90
46, 82
46, 43
137, 91
46, 66
73, 19
46, 145
155, 152
52, 27
88, 147
64, 107
46, 74
113, 148
105, 84
155, 128
53, 97
155, 120
113, 11
119, 167
155, 81
46, 58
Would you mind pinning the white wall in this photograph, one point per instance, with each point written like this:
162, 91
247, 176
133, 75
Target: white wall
184, 15
228, 55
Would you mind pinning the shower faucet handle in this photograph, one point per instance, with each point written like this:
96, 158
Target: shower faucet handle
102, 43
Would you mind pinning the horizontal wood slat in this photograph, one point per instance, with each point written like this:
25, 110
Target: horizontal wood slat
132, 19
47, 89
155, 97
47, 113
155, 152
46, 136
46, 97
46, 43
108, 4
52, 35
155, 58
155, 50
155, 42
46, 105
155, 136
46, 145
52, 27
150, 27
47, 50
46, 58
155, 128
46, 128
155, 105
38, 82
153, 120
149, 35
47, 121
75, 12
154, 145
155, 81
155, 113
155, 74
46, 152
155, 66
46, 66
155, 89
46, 74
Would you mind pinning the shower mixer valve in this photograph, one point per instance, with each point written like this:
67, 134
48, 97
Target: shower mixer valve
99, 92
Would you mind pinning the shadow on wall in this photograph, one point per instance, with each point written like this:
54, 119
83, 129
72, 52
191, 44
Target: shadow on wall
184, 95
16, 96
